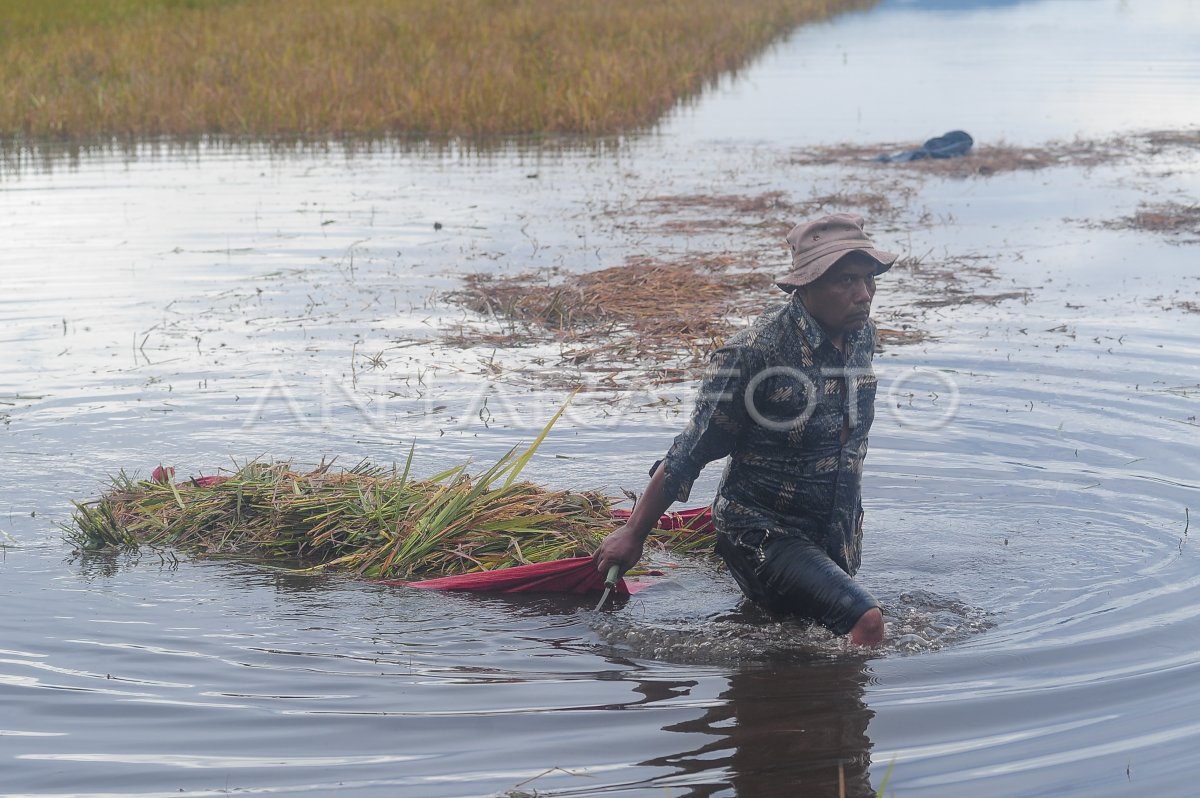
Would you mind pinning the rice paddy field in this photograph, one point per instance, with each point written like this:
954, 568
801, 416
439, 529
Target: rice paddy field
369, 319
368, 68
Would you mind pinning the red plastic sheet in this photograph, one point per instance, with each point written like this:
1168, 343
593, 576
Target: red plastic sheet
698, 519
166, 473
572, 575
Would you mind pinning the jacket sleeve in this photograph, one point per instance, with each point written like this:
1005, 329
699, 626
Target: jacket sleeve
717, 421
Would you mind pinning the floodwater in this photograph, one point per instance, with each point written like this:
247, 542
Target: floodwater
1030, 490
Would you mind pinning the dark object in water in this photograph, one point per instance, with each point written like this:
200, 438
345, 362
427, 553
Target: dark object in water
949, 145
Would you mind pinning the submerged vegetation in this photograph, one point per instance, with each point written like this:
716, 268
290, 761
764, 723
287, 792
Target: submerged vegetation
80, 70
646, 312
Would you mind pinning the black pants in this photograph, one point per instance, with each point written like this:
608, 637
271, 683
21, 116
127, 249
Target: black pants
792, 574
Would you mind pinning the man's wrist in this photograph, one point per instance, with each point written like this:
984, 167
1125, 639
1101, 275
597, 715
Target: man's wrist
639, 529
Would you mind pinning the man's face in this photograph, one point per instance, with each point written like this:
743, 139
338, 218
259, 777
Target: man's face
840, 299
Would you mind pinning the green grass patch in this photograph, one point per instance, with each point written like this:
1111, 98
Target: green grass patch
77, 70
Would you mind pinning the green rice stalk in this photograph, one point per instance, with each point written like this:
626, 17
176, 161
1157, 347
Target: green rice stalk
523, 459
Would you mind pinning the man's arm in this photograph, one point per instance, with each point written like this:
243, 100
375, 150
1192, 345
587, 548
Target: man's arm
711, 433
623, 546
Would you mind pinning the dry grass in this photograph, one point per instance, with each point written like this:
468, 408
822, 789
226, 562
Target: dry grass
737, 204
981, 160
645, 297
1167, 217
951, 283
1177, 222
990, 159
1166, 139
647, 314
656, 320
906, 334
78, 70
769, 215
644, 313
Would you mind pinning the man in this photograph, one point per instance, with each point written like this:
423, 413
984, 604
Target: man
790, 400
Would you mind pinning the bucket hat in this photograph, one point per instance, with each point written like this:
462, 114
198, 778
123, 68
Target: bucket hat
819, 244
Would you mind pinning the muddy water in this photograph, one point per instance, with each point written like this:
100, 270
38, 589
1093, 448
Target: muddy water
1029, 492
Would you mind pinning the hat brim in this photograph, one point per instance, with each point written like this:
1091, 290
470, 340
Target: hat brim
812, 271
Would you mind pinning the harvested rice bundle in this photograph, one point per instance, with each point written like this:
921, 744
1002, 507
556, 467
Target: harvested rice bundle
367, 520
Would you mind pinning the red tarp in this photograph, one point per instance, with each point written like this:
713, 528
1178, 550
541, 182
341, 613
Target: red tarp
165, 473
573, 575
698, 519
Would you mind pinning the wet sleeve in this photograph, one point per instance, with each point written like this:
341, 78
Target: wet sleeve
717, 420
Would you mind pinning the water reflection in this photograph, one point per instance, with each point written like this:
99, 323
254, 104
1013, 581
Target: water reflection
20, 159
1003, 70
795, 730
94, 566
1049, 520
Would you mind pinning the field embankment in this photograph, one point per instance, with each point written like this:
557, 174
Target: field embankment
80, 70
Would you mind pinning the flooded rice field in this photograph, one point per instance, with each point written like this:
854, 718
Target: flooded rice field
1030, 490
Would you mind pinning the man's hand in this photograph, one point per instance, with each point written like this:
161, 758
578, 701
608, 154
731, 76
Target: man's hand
623, 547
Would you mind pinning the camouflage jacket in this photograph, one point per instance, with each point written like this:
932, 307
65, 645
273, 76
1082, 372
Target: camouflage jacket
775, 399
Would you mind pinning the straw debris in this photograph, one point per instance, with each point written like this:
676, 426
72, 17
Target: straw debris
661, 320
646, 310
1162, 217
991, 159
771, 212
654, 320
951, 283
645, 296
